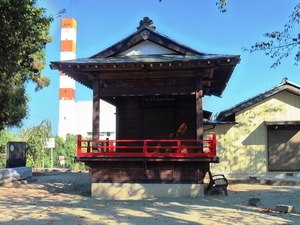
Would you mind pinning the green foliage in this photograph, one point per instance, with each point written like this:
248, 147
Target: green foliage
280, 44
222, 5
13, 103
36, 153
5, 136
283, 43
24, 33
36, 137
66, 148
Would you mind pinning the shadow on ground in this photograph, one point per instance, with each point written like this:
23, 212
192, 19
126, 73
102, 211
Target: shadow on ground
64, 198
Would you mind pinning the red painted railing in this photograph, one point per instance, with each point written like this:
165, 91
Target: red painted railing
146, 148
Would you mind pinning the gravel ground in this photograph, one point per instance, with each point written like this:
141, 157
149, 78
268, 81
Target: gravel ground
64, 198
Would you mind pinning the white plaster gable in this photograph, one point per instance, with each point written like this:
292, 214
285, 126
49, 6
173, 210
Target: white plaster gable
147, 48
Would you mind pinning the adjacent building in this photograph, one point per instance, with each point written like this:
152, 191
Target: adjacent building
261, 134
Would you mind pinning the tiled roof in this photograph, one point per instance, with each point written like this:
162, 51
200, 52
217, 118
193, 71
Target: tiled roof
229, 114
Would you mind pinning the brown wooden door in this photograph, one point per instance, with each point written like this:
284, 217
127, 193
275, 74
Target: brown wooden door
158, 123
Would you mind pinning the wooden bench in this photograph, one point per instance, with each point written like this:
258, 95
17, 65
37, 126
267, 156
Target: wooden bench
217, 183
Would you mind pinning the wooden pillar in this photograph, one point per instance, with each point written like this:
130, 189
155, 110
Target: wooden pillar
199, 109
96, 109
119, 127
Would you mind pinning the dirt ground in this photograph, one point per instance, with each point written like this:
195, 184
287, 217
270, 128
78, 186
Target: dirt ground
64, 198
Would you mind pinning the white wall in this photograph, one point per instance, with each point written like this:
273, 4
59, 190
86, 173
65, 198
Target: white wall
80, 119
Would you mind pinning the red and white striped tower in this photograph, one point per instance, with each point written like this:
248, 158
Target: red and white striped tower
67, 84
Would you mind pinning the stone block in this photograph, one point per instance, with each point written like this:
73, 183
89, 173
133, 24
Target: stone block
136, 191
254, 202
285, 208
13, 174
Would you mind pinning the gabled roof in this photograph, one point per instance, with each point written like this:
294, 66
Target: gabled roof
142, 35
285, 85
174, 61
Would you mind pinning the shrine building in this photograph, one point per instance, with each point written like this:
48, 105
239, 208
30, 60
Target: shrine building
157, 86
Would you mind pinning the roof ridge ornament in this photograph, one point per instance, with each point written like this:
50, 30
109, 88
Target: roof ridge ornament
146, 22
285, 80
145, 34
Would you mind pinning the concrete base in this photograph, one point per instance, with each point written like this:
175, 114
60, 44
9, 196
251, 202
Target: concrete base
17, 173
136, 191
270, 178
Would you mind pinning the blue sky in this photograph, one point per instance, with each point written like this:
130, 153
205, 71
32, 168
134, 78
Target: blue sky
195, 23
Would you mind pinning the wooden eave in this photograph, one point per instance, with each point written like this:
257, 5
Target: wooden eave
283, 125
214, 69
109, 66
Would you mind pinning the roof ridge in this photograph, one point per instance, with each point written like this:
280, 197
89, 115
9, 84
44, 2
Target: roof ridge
250, 101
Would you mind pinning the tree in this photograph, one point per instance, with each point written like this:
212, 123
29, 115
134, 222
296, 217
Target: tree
67, 148
222, 5
5, 136
36, 137
281, 44
24, 33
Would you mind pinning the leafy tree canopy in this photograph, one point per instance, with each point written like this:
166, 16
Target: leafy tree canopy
36, 138
284, 43
222, 5
279, 44
5, 136
24, 33
67, 148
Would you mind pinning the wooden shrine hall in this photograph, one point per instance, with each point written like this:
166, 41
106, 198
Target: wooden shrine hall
157, 86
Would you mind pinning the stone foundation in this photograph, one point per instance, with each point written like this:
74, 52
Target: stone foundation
17, 173
136, 191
